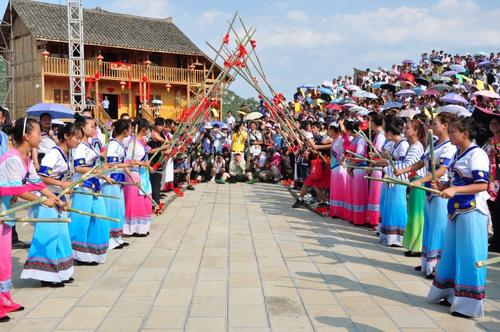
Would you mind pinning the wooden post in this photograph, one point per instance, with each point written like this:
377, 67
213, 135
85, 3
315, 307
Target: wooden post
130, 100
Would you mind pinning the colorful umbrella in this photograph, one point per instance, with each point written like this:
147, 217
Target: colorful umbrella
405, 92
352, 87
458, 68
359, 109
391, 104
449, 73
406, 62
422, 81
419, 90
442, 87
430, 92
57, 111
453, 98
377, 85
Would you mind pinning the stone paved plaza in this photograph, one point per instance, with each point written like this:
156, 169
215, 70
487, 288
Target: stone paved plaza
239, 258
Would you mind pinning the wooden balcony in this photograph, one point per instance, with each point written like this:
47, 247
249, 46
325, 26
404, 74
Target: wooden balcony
157, 74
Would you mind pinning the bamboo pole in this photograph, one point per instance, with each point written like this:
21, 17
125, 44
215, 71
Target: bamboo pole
83, 213
44, 220
487, 262
388, 179
23, 206
358, 156
366, 168
77, 182
431, 152
88, 193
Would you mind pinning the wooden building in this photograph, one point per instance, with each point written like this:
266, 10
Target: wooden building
123, 54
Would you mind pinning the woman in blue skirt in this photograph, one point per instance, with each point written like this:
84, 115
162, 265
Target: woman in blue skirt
89, 235
50, 258
435, 212
458, 283
393, 219
115, 156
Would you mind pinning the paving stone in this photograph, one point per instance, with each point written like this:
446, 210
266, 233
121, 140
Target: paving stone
166, 317
84, 318
214, 324
208, 306
247, 316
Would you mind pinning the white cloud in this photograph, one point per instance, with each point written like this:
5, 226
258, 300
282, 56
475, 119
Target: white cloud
297, 16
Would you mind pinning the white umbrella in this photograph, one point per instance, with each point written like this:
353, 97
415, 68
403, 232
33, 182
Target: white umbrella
253, 116
156, 102
364, 94
327, 84
487, 94
359, 109
454, 109
352, 87
408, 113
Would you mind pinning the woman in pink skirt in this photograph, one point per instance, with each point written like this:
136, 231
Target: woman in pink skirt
359, 190
349, 180
373, 208
338, 173
138, 207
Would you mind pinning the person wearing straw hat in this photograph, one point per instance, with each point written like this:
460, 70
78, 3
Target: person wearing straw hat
50, 258
19, 179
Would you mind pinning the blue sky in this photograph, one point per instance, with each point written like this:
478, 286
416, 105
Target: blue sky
309, 42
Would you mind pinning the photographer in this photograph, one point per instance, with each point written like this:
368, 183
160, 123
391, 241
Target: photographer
199, 168
218, 171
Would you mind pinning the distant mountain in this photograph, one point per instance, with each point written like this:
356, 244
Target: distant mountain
232, 102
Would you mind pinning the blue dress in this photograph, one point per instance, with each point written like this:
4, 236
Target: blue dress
89, 235
466, 240
435, 212
50, 257
115, 207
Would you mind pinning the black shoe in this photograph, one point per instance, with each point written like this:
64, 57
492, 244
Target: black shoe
19, 309
21, 245
445, 303
69, 281
4, 319
120, 246
430, 276
323, 204
52, 284
298, 203
190, 188
141, 235
413, 254
418, 268
125, 244
458, 314
76, 262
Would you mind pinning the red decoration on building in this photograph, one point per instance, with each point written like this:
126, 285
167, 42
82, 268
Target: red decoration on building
226, 39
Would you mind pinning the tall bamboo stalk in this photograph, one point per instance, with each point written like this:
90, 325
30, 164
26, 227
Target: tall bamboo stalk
23, 206
83, 213
44, 220
431, 152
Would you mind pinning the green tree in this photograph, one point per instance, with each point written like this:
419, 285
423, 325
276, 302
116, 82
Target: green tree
232, 102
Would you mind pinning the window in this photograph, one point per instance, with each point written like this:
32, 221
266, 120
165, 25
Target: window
57, 96
66, 97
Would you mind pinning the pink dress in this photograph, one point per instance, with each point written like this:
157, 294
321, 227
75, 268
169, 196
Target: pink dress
360, 185
337, 180
373, 209
349, 184
18, 176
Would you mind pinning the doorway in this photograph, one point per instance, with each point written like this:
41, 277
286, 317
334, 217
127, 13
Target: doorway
113, 105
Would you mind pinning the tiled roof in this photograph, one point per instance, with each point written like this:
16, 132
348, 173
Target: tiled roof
49, 22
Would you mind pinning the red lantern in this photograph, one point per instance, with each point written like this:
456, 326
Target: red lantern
100, 58
147, 63
168, 86
45, 54
122, 84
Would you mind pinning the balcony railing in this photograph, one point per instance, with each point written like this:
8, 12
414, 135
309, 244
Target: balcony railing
107, 70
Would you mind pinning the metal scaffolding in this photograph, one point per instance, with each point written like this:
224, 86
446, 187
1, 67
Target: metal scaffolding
76, 63
8, 97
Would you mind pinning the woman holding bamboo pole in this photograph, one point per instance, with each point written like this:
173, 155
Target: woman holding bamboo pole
393, 223
115, 156
50, 258
89, 234
458, 283
338, 172
345, 127
373, 206
19, 179
412, 240
138, 207
359, 190
435, 213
